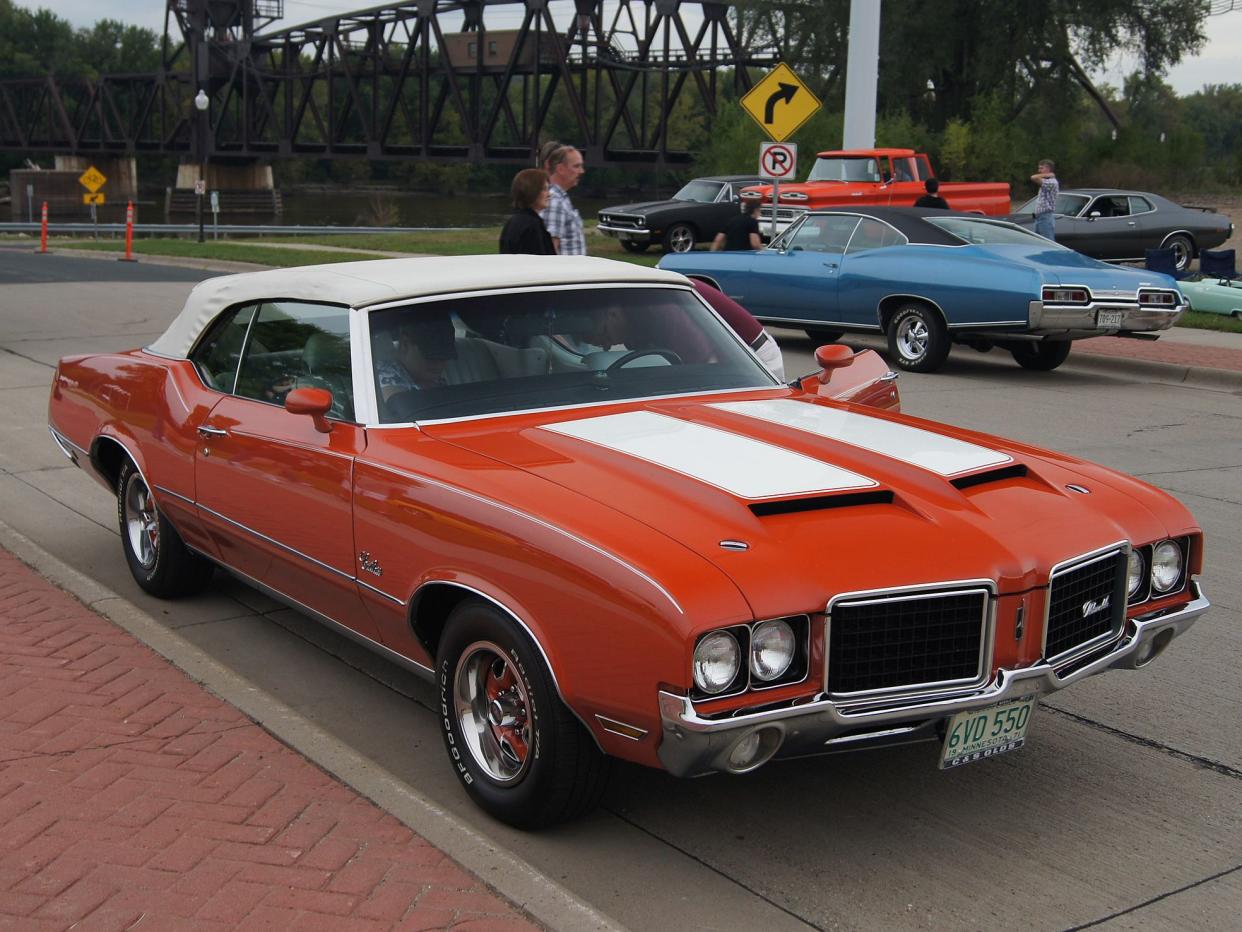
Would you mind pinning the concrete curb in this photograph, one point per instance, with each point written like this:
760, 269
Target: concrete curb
536, 893
1221, 380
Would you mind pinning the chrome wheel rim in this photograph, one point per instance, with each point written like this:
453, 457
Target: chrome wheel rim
1181, 254
681, 239
912, 337
493, 711
142, 522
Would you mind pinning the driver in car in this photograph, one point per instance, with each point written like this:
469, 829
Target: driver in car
426, 344
652, 329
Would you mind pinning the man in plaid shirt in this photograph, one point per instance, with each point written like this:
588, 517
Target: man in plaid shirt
564, 167
1046, 202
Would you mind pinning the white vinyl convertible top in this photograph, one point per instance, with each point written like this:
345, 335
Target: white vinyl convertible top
361, 284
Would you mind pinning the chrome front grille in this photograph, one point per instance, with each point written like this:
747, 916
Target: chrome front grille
1086, 604
622, 222
908, 641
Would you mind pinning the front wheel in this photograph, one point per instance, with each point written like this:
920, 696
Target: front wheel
159, 560
517, 750
918, 340
1043, 356
679, 238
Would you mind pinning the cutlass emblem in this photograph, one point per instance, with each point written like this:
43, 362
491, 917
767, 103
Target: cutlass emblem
1091, 606
370, 564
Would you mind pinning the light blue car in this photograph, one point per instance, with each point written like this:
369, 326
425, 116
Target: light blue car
929, 278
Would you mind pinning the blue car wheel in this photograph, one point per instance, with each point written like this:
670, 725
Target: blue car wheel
918, 340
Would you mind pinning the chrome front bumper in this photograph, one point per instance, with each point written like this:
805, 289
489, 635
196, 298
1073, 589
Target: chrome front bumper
628, 233
1079, 318
693, 745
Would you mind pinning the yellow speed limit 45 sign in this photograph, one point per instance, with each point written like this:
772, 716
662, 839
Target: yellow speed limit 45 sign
780, 103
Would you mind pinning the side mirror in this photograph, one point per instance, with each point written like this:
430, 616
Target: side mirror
1095, 214
833, 356
316, 402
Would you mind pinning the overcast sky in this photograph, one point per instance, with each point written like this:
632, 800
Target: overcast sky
1219, 63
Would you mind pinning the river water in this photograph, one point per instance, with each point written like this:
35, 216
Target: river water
395, 208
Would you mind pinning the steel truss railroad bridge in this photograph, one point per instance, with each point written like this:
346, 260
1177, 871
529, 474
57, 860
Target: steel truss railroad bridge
421, 80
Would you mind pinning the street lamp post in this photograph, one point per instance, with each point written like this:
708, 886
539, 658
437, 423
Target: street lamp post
200, 188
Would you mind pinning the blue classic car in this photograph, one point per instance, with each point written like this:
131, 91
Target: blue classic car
929, 278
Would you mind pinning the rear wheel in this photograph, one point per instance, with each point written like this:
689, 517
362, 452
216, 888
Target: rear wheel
159, 560
819, 336
1043, 356
515, 747
918, 340
1183, 251
679, 237
631, 246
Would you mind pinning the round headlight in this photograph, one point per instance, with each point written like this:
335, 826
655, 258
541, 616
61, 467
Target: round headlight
771, 649
716, 662
1134, 573
1166, 565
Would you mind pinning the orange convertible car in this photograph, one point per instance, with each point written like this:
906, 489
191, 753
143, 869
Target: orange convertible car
563, 489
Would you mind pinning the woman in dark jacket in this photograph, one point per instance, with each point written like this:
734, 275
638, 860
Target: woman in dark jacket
524, 231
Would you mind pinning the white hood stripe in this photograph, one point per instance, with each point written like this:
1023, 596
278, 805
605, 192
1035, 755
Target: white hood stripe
746, 467
921, 448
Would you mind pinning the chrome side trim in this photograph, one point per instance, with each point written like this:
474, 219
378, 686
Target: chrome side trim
386, 652
271, 540
380, 592
66, 446
693, 744
987, 623
988, 323
539, 521
177, 495
802, 322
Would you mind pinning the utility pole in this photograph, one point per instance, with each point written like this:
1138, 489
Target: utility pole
862, 72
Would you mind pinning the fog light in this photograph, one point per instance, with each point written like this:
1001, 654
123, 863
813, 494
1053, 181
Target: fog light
754, 750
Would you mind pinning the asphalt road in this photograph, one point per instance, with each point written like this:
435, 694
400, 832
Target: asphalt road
1124, 811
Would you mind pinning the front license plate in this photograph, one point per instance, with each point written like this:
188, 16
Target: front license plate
972, 736
1109, 318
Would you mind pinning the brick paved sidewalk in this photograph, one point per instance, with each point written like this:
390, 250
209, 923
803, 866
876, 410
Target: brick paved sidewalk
128, 792
1166, 351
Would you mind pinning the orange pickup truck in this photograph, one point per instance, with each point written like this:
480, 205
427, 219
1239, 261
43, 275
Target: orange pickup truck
892, 177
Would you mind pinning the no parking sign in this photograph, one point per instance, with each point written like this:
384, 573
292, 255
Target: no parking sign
778, 160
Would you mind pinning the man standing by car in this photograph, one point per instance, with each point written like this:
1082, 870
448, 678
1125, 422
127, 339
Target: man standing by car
932, 198
564, 167
742, 231
1046, 204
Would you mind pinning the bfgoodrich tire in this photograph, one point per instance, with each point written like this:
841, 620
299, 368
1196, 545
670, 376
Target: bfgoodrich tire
159, 560
1043, 356
518, 752
918, 340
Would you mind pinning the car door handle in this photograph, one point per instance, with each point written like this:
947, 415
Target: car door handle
1132, 223
830, 265
212, 432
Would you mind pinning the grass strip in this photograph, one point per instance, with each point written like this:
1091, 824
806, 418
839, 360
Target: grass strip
226, 251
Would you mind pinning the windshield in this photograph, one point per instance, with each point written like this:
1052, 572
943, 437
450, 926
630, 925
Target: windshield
703, 192
990, 233
492, 354
1068, 205
851, 169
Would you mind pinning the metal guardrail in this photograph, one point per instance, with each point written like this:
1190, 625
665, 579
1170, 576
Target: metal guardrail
225, 229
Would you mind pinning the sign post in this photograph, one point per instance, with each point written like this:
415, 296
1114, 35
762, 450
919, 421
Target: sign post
215, 215
777, 160
30, 203
780, 103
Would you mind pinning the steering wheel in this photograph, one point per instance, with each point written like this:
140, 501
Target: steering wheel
629, 357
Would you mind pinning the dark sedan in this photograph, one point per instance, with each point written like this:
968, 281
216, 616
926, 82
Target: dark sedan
693, 215
1117, 226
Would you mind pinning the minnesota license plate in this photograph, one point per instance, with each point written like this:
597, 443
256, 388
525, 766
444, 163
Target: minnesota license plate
1109, 318
972, 736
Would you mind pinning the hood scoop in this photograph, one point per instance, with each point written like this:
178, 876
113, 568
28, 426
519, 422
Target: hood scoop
821, 503
1016, 471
